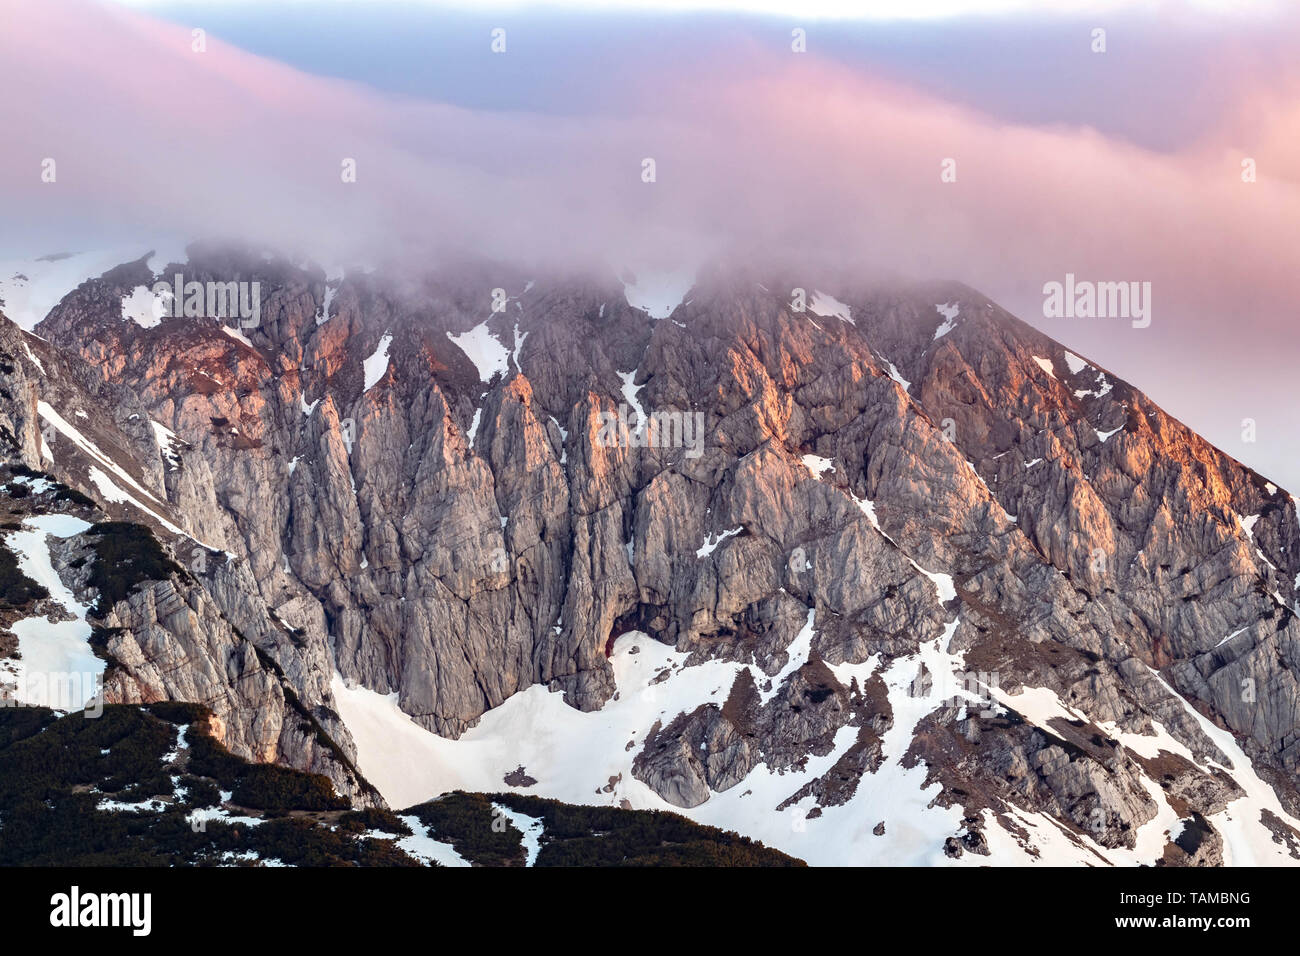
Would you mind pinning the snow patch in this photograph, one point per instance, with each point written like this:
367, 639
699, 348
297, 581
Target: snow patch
377, 364
949, 311
796, 656
817, 465
896, 376
237, 335
425, 848
1075, 364
1104, 387
109, 491
56, 666
630, 388
530, 827
942, 583
711, 543
166, 439
1239, 630
144, 308
519, 344
323, 315
34, 360
658, 293
48, 414
483, 348
473, 427
830, 307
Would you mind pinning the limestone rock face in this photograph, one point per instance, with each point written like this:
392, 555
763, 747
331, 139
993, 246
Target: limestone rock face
386, 478
698, 753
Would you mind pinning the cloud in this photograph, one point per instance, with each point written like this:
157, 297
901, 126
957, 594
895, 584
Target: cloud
789, 159
788, 155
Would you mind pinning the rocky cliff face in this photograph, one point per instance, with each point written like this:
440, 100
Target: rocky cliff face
173, 617
912, 534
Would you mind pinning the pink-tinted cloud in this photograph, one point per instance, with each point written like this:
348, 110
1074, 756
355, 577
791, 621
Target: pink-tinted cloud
789, 159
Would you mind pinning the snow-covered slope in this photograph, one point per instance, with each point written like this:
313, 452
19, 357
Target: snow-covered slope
30, 288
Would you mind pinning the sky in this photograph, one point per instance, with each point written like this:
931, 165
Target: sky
1122, 165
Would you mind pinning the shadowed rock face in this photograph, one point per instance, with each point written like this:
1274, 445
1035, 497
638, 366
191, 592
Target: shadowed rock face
452, 524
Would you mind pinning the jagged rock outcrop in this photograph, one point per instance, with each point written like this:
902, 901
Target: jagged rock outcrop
195, 631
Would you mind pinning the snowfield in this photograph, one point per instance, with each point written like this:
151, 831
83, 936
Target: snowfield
30, 288
573, 755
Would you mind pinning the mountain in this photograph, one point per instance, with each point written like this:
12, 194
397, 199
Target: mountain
890, 578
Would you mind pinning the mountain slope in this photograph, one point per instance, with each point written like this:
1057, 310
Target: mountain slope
919, 566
